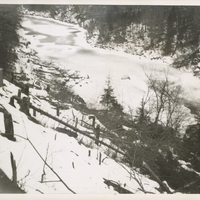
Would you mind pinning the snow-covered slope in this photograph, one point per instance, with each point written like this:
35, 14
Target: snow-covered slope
65, 156
77, 165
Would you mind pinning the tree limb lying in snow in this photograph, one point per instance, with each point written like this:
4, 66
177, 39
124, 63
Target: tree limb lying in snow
185, 186
47, 164
137, 179
164, 186
116, 186
76, 129
44, 173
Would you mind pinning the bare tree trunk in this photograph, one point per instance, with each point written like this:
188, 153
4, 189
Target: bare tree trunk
9, 130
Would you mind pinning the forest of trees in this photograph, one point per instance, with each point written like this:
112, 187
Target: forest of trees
154, 137
173, 30
10, 18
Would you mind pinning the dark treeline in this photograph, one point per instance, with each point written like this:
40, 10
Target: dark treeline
173, 30
10, 18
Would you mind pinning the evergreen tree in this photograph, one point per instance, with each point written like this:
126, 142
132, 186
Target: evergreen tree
108, 98
192, 145
10, 19
170, 31
43, 8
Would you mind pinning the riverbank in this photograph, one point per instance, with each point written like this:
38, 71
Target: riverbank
126, 47
97, 63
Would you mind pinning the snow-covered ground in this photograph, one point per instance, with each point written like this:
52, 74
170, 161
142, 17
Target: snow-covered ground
68, 158
65, 45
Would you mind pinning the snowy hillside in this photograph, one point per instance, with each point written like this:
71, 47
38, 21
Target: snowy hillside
69, 167
55, 150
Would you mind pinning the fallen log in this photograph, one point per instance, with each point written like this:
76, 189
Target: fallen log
76, 129
185, 186
68, 132
162, 184
117, 187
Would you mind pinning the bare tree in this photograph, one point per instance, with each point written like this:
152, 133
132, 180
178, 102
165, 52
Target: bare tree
157, 127
164, 103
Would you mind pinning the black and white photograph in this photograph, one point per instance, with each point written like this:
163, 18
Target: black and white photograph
100, 99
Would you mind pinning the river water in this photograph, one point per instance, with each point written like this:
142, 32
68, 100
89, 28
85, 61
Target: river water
66, 46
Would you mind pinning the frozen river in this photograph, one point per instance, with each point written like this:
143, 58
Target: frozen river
66, 46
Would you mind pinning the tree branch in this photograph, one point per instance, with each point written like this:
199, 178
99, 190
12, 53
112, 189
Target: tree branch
47, 164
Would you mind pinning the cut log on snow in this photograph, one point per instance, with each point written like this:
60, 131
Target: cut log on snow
125, 77
117, 187
68, 132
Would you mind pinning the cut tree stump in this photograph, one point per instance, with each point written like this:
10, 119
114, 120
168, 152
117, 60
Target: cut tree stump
97, 133
9, 130
25, 105
14, 169
19, 93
